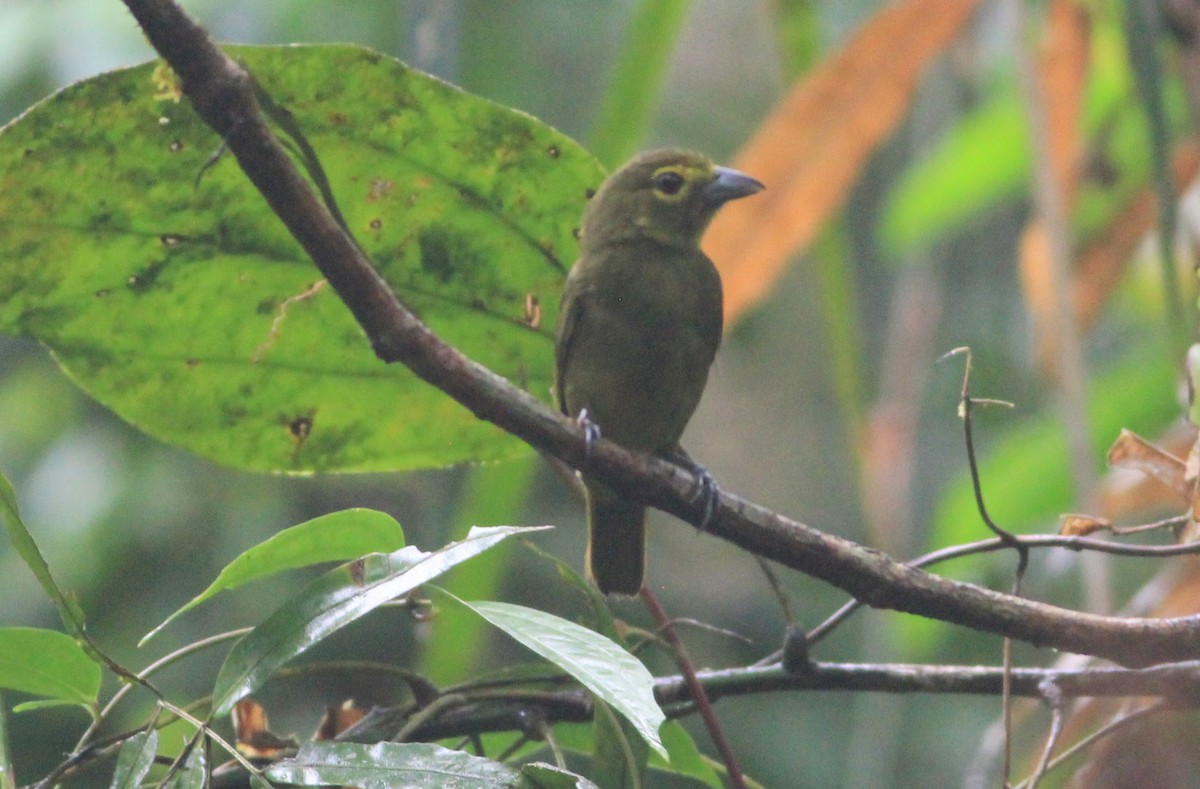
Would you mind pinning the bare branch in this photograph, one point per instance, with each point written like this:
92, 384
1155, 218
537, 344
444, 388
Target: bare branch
223, 93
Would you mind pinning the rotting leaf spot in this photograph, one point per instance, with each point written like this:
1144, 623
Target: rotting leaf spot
379, 189
589, 193
103, 292
171, 239
376, 223
553, 151
299, 428
176, 146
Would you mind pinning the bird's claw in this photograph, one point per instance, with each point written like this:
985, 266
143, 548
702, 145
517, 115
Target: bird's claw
709, 491
591, 432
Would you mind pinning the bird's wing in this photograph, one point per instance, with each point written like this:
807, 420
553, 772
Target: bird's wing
570, 309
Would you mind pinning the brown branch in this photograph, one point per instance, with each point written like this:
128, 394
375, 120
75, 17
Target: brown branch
223, 94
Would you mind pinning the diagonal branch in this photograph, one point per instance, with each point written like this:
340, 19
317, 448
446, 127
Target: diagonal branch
223, 94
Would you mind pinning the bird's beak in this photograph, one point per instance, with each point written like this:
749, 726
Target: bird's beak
729, 184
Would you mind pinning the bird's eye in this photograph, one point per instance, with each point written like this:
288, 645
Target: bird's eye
668, 182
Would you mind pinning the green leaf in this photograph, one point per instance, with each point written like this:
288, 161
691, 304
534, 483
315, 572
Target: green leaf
686, 758
341, 596
638, 75
192, 774
47, 663
618, 757
798, 31
68, 610
601, 665
135, 760
387, 765
984, 159
170, 292
336, 536
539, 775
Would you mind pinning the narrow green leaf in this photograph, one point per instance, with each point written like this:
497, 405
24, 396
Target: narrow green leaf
135, 760
387, 765
601, 665
341, 596
192, 774
638, 75
686, 758
47, 663
170, 292
22, 540
1145, 32
539, 775
337, 536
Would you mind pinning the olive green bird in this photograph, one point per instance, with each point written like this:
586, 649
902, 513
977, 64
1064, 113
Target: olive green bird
638, 327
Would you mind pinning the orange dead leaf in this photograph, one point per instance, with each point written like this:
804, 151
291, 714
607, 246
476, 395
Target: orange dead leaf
811, 149
254, 736
1100, 265
1131, 451
337, 719
1126, 494
1103, 261
1062, 66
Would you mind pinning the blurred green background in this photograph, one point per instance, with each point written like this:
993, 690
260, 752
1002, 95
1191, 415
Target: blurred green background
136, 528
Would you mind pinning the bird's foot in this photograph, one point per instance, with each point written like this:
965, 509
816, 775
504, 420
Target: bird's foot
709, 491
591, 432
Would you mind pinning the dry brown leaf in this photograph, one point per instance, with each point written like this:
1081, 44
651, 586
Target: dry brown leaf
337, 719
1128, 494
254, 736
1131, 451
812, 147
1076, 525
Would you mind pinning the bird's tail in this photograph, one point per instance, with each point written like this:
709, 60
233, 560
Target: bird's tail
616, 556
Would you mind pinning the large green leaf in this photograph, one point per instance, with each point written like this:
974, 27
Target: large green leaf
386, 765
170, 292
600, 664
47, 663
336, 536
341, 596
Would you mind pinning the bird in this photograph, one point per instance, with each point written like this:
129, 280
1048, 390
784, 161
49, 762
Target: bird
637, 329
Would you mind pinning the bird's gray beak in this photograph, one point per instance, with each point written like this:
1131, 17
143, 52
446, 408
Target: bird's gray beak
729, 184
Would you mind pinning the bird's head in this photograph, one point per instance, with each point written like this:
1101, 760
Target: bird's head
667, 195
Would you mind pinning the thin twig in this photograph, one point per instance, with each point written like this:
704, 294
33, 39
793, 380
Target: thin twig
695, 688
1108, 729
1054, 699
